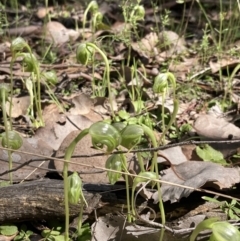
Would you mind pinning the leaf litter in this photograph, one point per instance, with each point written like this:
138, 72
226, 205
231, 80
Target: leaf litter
199, 86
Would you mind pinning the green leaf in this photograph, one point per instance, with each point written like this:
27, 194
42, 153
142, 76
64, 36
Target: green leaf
85, 233
59, 238
207, 153
124, 115
48, 232
8, 229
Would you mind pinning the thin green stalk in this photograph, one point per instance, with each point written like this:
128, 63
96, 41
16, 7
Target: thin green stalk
6, 131
150, 134
140, 162
91, 5
129, 218
67, 158
107, 71
208, 20
38, 101
80, 218
163, 119
172, 119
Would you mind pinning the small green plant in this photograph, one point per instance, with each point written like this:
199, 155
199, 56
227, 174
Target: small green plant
221, 231
8, 229
161, 86
93, 8
30, 64
9, 138
231, 209
207, 153
85, 52
24, 234
75, 194
103, 135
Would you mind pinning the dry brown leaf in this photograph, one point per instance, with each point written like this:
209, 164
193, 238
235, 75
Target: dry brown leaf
58, 126
216, 128
110, 227
32, 146
19, 106
42, 12
146, 47
223, 63
174, 155
82, 104
57, 33
87, 174
195, 174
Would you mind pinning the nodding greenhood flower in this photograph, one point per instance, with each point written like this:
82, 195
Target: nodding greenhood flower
160, 85
84, 53
221, 230
30, 62
104, 134
161, 82
131, 135
51, 77
139, 12
18, 44
93, 7
99, 17
114, 162
4, 91
74, 188
14, 140
224, 231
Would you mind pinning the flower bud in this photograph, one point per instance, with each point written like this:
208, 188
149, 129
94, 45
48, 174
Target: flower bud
14, 140
139, 12
93, 7
51, 77
131, 135
84, 53
104, 134
224, 231
114, 162
74, 188
160, 83
18, 44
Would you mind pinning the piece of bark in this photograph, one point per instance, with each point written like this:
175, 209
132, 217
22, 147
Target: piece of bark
37, 200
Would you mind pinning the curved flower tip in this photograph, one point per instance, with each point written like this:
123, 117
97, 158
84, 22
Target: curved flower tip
84, 53
104, 134
18, 44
